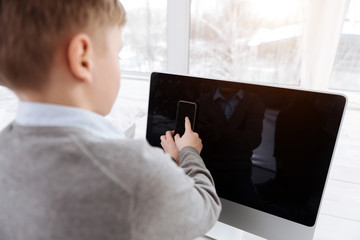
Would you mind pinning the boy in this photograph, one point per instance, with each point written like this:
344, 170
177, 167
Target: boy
66, 173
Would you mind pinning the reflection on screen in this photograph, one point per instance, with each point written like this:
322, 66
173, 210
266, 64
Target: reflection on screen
267, 148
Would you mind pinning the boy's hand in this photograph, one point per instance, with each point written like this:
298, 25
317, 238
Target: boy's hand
169, 146
189, 138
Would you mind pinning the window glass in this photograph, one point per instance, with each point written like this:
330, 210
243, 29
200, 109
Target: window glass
346, 70
247, 40
145, 40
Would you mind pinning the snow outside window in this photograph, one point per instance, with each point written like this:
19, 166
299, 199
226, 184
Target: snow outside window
145, 38
248, 40
346, 70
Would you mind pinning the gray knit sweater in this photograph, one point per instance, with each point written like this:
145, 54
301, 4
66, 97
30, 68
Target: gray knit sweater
64, 183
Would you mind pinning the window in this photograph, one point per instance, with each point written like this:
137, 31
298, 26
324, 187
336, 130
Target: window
250, 40
145, 39
346, 70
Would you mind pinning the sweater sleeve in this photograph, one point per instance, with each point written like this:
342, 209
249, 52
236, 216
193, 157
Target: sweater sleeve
175, 202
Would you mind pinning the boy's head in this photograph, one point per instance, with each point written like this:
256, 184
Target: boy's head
62, 52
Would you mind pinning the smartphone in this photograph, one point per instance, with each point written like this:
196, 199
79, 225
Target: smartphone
185, 109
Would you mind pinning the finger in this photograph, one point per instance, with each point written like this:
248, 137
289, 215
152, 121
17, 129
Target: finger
177, 137
169, 135
163, 138
187, 124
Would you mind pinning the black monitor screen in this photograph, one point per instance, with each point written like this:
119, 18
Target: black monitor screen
267, 148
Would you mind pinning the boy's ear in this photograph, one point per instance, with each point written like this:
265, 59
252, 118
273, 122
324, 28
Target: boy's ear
80, 57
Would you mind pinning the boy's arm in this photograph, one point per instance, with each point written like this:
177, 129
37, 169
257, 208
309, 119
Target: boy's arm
174, 205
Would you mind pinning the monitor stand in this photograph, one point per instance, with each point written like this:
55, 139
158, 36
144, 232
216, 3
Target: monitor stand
222, 231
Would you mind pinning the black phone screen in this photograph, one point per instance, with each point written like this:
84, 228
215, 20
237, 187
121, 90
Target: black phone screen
184, 109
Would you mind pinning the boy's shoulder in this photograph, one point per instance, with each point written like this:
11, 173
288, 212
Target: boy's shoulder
133, 162
78, 139
123, 160
122, 152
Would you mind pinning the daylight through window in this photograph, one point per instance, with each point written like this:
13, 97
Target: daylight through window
247, 40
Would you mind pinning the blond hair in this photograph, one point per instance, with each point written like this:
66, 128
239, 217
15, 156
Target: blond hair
32, 30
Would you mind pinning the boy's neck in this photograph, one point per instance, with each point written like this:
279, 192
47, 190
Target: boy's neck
58, 96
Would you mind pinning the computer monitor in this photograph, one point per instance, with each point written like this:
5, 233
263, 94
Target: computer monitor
268, 148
